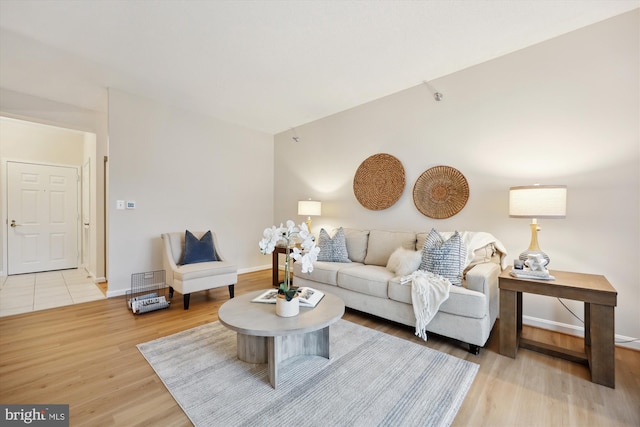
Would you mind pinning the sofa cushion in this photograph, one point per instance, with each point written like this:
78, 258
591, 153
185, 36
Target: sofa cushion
357, 241
198, 250
481, 246
383, 243
332, 249
446, 258
461, 301
404, 261
365, 279
323, 272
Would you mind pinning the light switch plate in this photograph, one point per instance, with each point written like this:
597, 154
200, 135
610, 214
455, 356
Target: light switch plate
119, 204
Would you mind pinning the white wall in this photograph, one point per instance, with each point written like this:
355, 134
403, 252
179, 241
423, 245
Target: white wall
184, 171
90, 233
562, 112
31, 142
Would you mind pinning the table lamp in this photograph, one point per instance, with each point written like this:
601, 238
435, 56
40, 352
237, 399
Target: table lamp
309, 208
537, 201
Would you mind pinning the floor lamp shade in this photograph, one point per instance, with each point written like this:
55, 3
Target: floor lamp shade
537, 201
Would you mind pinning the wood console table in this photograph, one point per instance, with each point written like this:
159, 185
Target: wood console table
599, 299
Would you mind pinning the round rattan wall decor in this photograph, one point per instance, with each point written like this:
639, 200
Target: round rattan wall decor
379, 181
440, 192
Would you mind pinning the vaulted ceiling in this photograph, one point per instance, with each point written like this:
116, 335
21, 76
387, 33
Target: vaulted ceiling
267, 65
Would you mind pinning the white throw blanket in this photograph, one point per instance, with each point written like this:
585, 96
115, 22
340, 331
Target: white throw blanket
428, 291
474, 240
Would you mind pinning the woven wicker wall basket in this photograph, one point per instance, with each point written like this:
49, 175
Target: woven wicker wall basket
379, 181
440, 192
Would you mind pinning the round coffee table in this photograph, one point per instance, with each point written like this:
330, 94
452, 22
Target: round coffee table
264, 337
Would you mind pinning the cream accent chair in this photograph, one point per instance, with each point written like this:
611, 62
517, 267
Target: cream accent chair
199, 276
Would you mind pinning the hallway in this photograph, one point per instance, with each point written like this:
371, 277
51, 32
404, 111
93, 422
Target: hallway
24, 293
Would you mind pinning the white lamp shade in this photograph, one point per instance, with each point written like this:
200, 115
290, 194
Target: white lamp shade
309, 208
538, 201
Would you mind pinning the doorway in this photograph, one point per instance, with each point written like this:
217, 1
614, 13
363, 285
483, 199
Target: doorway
25, 142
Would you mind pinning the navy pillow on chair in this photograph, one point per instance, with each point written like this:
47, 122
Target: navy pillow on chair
198, 250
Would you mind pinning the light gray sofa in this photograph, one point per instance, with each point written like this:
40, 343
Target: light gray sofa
366, 284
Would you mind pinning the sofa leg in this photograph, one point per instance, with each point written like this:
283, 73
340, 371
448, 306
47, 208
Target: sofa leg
185, 299
231, 289
474, 349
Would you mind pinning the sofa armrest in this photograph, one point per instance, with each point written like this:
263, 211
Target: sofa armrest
483, 278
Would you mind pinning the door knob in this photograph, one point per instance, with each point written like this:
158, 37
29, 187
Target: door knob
13, 223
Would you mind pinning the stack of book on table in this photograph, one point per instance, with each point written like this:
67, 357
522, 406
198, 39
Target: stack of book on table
527, 273
308, 297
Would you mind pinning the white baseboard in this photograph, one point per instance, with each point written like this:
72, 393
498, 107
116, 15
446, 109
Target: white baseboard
120, 292
620, 340
252, 269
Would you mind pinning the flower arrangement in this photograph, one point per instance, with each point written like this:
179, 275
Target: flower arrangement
306, 252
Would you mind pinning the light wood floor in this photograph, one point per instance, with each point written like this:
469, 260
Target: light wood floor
85, 355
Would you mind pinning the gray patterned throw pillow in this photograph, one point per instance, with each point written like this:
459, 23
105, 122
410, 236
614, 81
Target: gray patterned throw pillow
445, 258
333, 249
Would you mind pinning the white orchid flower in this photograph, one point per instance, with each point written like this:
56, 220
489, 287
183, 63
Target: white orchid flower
307, 255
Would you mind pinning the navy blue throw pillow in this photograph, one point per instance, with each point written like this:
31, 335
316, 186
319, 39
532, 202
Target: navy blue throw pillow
198, 250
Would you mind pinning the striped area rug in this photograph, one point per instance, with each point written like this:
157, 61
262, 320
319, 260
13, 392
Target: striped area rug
371, 379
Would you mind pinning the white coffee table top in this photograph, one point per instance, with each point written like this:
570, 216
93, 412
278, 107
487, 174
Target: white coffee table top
258, 319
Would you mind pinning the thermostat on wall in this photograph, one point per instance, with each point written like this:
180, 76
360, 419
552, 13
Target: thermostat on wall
131, 205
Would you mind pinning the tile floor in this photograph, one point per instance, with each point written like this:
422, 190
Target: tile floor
23, 293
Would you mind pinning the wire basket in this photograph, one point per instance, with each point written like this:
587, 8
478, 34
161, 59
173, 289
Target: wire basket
148, 292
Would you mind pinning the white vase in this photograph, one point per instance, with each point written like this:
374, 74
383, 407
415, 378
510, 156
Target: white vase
286, 308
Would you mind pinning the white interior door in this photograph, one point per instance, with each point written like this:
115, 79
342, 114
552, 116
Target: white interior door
42, 209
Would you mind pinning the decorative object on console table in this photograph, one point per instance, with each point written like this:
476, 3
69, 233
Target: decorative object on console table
440, 192
535, 268
307, 253
309, 208
537, 201
379, 182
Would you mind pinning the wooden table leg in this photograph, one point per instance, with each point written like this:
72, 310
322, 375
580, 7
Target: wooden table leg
251, 348
282, 347
272, 356
587, 324
274, 269
508, 322
519, 310
602, 356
